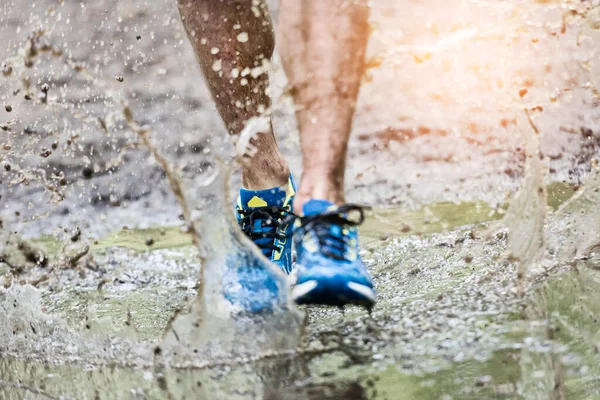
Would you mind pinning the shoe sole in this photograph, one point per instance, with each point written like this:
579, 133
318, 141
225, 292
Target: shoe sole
333, 293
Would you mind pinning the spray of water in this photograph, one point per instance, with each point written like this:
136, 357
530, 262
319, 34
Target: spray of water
211, 327
84, 100
215, 326
526, 215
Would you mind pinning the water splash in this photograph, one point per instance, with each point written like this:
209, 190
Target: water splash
572, 233
527, 212
214, 325
570, 237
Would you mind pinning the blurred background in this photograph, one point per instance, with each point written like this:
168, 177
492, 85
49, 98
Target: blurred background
435, 120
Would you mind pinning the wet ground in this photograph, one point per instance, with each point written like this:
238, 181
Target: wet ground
100, 273
451, 322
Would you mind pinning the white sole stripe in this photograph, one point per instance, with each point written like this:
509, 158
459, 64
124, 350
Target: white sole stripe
303, 289
363, 290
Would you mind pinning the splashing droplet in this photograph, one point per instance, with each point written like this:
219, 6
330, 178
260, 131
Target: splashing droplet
217, 65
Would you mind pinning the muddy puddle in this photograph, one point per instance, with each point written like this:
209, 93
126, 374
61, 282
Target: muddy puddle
451, 323
475, 141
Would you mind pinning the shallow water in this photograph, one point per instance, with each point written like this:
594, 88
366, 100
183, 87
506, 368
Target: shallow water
450, 321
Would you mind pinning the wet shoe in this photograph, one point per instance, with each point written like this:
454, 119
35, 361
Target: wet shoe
262, 216
330, 270
250, 286
248, 283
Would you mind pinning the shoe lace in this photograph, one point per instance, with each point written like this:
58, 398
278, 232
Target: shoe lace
272, 221
331, 243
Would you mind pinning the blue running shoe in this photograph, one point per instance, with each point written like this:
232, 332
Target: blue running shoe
248, 283
330, 271
262, 217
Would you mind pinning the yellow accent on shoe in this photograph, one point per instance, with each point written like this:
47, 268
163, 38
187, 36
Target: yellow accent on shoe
257, 202
279, 252
289, 193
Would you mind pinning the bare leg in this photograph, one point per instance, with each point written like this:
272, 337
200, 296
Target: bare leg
230, 37
323, 48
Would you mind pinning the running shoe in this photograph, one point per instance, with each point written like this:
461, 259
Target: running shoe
330, 270
262, 216
249, 284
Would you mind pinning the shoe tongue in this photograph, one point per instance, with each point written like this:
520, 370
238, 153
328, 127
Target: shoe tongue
313, 207
251, 199
331, 238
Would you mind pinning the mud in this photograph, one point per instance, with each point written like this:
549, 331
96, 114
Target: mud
450, 321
